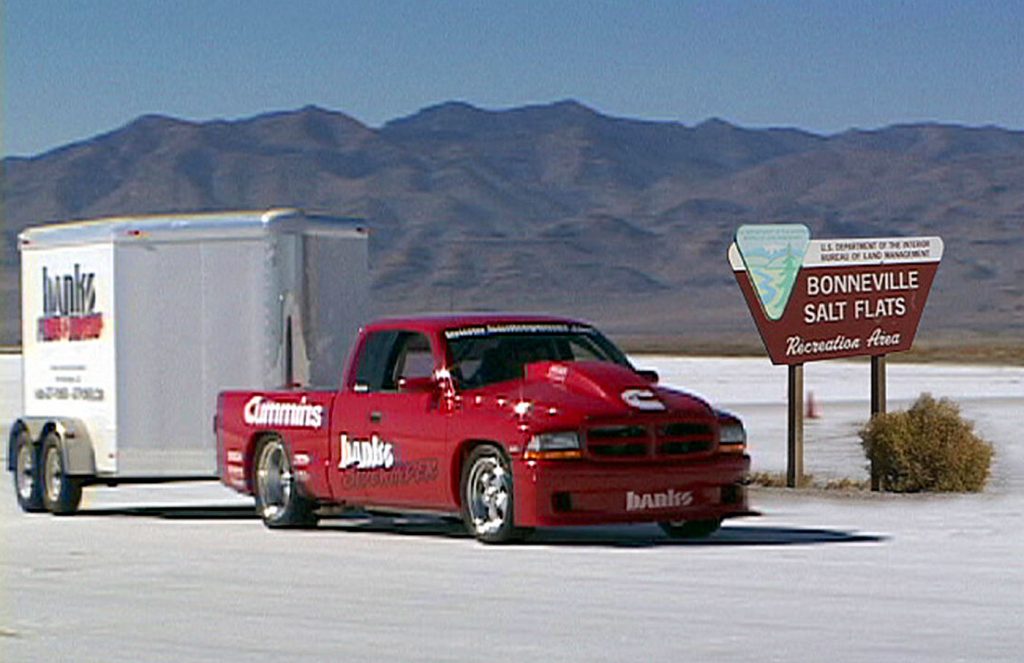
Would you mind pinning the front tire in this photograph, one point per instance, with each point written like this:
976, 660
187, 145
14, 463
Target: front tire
61, 493
278, 501
690, 529
487, 497
27, 486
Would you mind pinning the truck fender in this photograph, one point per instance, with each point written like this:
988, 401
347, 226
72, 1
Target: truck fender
250, 460
75, 443
250, 455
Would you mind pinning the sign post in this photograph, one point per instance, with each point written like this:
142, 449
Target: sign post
795, 423
829, 299
877, 403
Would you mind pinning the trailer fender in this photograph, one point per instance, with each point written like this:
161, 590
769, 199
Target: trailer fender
75, 444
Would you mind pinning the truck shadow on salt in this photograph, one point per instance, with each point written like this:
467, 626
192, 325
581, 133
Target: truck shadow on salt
242, 512
635, 536
728, 536
623, 536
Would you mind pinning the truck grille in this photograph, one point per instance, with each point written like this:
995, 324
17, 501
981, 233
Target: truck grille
632, 441
618, 441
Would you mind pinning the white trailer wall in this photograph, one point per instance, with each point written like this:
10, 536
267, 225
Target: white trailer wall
191, 321
62, 377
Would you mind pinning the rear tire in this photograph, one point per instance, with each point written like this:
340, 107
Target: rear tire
61, 493
690, 529
27, 486
487, 497
278, 501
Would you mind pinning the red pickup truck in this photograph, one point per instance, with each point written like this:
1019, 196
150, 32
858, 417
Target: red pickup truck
512, 422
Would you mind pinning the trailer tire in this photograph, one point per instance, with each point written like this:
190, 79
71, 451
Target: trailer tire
27, 486
61, 493
487, 496
690, 529
278, 501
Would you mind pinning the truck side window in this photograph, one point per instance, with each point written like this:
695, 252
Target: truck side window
415, 359
388, 356
371, 375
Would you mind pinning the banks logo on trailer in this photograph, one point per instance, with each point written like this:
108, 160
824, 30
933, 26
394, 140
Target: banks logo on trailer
69, 307
773, 255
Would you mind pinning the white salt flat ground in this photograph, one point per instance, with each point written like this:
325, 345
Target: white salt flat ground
184, 572
991, 396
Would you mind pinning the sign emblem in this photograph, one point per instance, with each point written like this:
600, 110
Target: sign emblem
772, 255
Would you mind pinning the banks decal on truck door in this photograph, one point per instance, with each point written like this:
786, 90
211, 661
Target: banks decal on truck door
389, 430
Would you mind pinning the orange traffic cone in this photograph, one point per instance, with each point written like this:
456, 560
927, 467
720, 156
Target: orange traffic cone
812, 407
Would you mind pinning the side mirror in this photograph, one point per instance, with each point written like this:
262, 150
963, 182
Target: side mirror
650, 376
417, 385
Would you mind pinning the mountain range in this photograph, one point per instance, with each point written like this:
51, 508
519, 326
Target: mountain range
560, 208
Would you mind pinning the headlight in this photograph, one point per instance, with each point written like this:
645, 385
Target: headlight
732, 436
561, 444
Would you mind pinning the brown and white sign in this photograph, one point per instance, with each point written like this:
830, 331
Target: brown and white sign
849, 297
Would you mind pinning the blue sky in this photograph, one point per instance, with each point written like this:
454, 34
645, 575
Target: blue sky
71, 70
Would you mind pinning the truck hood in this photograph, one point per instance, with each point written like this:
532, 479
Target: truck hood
598, 389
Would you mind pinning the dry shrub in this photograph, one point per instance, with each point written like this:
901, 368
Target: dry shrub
778, 480
928, 448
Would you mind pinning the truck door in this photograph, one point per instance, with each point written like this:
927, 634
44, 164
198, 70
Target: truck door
388, 429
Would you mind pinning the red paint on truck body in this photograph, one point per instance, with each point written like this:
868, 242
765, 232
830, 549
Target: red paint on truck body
647, 453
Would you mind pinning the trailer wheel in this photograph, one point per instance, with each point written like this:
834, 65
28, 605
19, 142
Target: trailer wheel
278, 501
61, 493
27, 487
690, 529
487, 498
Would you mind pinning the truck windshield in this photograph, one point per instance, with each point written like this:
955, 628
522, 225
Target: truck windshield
486, 355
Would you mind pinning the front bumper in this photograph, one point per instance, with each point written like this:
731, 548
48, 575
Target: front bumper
552, 493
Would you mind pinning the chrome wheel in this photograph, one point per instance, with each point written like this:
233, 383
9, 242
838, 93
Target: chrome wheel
27, 484
274, 480
28, 487
278, 499
53, 474
61, 493
487, 496
25, 473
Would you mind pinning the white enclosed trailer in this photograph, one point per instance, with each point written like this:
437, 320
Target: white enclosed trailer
131, 326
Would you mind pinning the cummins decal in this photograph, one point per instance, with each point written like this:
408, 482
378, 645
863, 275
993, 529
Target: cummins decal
642, 399
372, 454
667, 500
261, 411
69, 307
